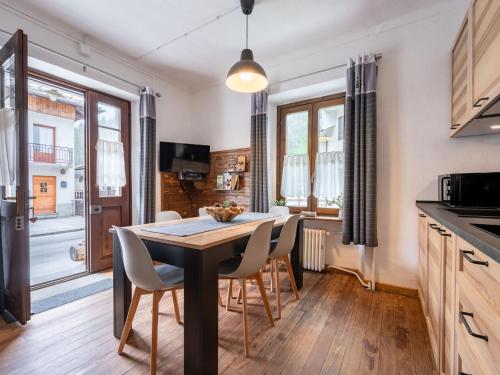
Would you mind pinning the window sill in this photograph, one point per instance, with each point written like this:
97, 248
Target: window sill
323, 218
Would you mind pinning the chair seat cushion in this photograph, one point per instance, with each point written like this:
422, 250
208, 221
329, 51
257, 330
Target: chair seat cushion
230, 265
170, 275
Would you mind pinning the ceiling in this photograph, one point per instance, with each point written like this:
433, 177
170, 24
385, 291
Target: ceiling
277, 28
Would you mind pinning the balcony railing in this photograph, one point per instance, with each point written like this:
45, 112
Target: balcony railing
39, 153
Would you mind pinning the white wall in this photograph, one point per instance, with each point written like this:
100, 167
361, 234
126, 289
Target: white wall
413, 123
173, 109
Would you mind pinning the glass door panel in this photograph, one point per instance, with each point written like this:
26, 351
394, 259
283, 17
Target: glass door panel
297, 143
57, 172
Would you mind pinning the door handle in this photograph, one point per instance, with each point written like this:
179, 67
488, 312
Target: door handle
478, 102
462, 315
95, 209
465, 254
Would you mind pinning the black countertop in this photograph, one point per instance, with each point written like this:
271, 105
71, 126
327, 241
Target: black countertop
461, 226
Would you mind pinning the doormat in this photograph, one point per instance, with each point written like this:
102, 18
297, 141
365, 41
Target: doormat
56, 300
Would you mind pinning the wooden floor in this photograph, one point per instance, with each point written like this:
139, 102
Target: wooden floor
336, 327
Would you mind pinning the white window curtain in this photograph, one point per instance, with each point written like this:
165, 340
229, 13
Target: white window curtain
295, 181
7, 147
329, 177
110, 164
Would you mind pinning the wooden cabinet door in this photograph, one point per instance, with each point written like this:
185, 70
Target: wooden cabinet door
435, 289
109, 120
484, 19
422, 260
449, 295
460, 77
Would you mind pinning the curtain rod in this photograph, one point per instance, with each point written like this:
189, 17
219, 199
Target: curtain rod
378, 56
84, 65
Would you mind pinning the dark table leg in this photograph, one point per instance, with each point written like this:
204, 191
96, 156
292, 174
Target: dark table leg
122, 289
200, 313
296, 254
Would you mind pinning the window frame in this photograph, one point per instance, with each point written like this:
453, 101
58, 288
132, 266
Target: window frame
312, 106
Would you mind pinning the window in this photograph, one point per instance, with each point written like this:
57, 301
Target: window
310, 153
109, 125
44, 142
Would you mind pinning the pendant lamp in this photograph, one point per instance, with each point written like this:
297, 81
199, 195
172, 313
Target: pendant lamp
246, 75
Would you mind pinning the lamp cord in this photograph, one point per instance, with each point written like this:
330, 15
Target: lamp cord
246, 36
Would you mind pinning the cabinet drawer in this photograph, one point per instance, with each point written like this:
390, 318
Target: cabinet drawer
467, 362
483, 276
478, 317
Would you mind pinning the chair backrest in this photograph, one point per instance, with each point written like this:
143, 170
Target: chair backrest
167, 216
202, 211
256, 251
287, 237
137, 261
279, 210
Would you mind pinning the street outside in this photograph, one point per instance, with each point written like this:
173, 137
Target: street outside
50, 242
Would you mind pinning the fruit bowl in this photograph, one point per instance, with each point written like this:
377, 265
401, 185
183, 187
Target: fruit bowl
224, 212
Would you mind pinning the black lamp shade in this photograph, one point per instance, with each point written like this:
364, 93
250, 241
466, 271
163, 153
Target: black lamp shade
246, 75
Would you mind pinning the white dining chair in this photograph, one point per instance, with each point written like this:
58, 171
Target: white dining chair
248, 267
167, 216
147, 279
279, 210
202, 211
280, 251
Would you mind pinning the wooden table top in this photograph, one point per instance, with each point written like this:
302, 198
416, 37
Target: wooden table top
203, 240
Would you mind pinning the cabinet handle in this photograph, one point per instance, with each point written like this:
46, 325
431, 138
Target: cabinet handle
478, 102
444, 234
453, 127
465, 254
433, 226
463, 373
462, 315
422, 215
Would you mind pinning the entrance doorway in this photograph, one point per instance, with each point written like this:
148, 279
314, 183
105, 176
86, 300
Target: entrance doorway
57, 165
70, 214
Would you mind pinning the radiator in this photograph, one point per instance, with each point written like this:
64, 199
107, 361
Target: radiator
314, 249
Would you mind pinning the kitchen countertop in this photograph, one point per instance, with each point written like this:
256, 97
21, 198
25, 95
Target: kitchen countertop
461, 226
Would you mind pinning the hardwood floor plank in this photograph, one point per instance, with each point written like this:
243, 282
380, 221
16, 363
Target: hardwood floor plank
422, 358
387, 351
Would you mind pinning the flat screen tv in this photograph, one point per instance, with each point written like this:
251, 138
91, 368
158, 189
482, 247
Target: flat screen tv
179, 157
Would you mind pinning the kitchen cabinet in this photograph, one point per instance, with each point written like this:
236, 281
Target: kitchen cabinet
475, 69
435, 288
422, 260
459, 289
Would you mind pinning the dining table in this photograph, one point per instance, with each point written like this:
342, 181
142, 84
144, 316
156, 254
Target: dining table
199, 255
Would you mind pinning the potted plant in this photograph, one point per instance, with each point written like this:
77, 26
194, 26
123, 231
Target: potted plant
337, 201
280, 207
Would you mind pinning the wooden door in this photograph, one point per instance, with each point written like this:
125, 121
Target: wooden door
460, 76
484, 16
108, 119
422, 260
14, 193
449, 269
44, 191
435, 289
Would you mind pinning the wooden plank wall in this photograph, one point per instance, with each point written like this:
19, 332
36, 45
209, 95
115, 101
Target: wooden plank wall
174, 197
46, 106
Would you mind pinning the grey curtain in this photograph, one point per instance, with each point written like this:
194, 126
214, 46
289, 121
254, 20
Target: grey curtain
359, 224
258, 157
147, 114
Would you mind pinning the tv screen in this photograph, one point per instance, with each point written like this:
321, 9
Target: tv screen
177, 157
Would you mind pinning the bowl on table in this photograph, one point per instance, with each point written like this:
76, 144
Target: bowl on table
224, 214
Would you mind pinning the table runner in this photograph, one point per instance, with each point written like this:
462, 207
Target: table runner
205, 225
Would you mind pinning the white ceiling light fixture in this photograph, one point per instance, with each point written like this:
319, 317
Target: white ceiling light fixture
495, 127
246, 75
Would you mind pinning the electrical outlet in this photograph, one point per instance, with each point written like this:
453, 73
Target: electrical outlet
19, 222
